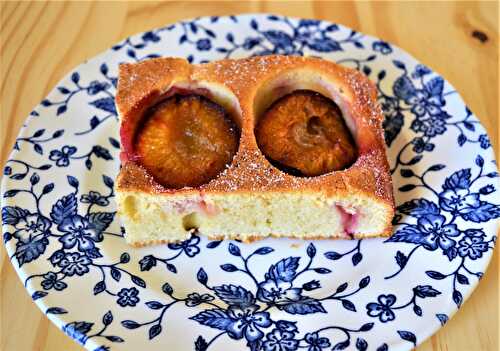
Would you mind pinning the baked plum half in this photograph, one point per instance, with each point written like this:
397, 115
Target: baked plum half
186, 140
304, 134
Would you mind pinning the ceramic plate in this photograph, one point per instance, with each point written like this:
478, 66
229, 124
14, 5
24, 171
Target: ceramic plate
64, 238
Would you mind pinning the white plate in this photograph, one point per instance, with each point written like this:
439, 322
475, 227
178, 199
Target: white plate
66, 244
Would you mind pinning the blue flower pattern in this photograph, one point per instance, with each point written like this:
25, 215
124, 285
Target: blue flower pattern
70, 233
31, 226
78, 230
94, 197
436, 233
382, 308
473, 247
189, 247
50, 281
61, 157
280, 340
128, 297
74, 263
316, 343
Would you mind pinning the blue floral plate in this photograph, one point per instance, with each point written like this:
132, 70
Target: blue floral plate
64, 238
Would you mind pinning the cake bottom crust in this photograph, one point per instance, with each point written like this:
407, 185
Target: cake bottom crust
253, 238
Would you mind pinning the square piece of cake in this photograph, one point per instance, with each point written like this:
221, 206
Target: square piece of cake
280, 146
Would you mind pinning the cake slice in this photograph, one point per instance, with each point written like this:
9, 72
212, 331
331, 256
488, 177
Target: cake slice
280, 146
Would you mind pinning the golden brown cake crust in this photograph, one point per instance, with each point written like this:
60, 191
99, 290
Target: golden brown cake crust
141, 85
252, 238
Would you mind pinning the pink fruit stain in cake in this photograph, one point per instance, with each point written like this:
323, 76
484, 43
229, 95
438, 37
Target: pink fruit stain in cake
185, 206
349, 219
126, 137
208, 208
199, 205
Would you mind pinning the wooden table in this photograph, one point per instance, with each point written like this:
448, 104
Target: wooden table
41, 42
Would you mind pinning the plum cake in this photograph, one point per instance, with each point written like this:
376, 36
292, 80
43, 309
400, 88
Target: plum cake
280, 146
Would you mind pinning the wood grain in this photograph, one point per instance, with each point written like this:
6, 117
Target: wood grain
40, 42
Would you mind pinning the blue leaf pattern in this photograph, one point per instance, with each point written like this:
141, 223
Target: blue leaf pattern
284, 270
234, 295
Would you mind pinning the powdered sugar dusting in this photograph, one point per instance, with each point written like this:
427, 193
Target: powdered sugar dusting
240, 74
249, 170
